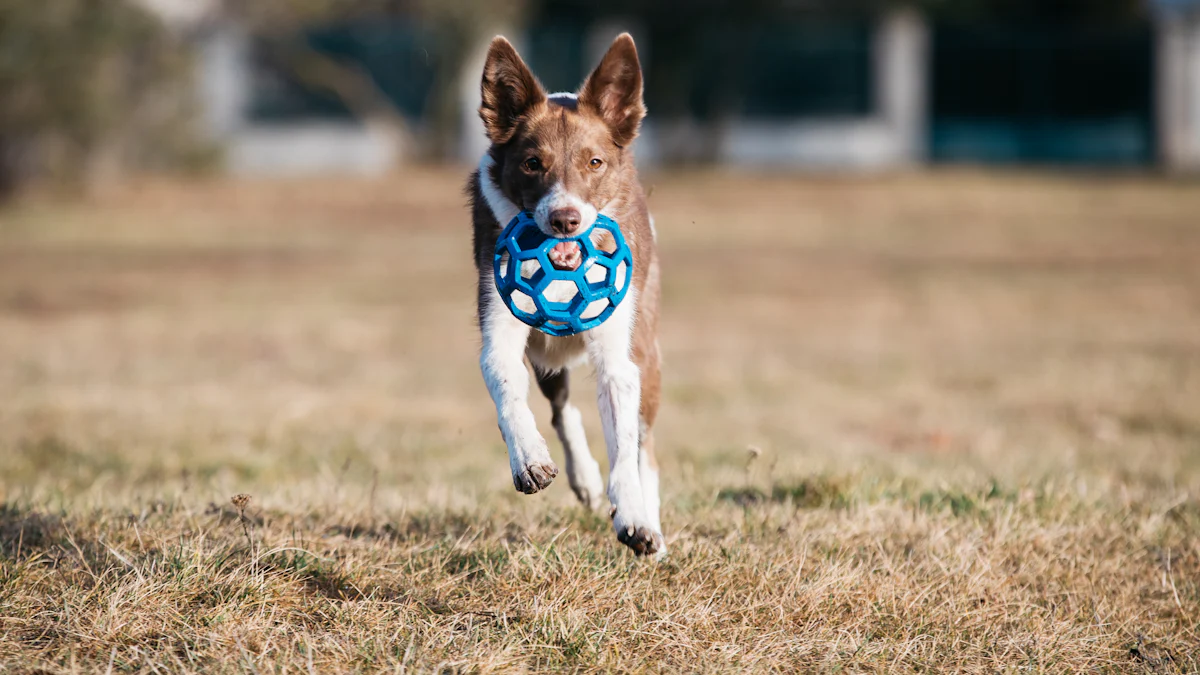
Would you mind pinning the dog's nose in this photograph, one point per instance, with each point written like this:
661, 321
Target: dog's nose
564, 221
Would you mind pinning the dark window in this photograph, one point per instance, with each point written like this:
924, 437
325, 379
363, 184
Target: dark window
1050, 93
555, 52
809, 69
766, 69
711, 65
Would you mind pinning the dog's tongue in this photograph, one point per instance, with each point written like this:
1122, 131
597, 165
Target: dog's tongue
566, 256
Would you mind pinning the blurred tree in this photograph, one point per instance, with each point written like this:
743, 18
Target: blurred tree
283, 28
460, 24
89, 88
280, 28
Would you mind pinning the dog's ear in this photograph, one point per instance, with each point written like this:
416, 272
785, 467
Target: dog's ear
614, 90
508, 90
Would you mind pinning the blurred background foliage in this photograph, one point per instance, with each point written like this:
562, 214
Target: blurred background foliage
90, 89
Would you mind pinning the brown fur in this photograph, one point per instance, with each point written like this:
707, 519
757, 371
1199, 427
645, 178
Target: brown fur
565, 135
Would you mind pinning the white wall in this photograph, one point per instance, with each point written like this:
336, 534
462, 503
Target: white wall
1178, 88
223, 79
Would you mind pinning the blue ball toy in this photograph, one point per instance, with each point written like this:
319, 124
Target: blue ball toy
554, 301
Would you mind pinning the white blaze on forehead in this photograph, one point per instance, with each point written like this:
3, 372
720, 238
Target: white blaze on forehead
559, 198
564, 98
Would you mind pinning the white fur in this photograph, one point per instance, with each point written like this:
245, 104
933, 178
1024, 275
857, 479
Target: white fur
618, 385
649, 477
552, 354
583, 472
502, 358
619, 390
563, 97
502, 362
559, 198
501, 206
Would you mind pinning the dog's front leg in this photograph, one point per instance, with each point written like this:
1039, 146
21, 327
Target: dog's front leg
618, 385
503, 366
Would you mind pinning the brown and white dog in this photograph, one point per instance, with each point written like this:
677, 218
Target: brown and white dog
567, 157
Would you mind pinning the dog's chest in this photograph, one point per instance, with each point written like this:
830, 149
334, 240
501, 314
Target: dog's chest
555, 353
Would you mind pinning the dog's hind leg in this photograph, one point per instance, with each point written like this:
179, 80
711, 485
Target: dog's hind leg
648, 365
648, 357
583, 472
618, 389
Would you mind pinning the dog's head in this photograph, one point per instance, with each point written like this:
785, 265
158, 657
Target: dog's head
562, 156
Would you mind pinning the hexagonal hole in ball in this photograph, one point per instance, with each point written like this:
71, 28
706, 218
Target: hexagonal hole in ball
529, 268
504, 265
523, 302
560, 290
594, 309
596, 274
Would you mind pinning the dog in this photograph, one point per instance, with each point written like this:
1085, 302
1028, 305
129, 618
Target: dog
566, 158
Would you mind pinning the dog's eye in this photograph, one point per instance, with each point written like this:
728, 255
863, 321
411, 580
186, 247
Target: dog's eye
533, 164
596, 163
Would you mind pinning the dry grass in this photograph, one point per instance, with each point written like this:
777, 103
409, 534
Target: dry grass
977, 399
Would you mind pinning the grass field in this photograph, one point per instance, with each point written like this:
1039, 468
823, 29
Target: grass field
973, 399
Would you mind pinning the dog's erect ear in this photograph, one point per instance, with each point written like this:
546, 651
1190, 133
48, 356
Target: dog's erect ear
614, 90
508, 90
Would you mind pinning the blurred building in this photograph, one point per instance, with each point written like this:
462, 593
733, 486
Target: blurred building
760, 87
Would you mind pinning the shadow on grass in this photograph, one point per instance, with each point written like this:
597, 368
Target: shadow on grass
23, 531
818, 493
80, 550
839, 493
320, 576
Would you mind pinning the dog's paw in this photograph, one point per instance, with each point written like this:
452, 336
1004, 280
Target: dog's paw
587, 485
534, 476
642, 539
590, 498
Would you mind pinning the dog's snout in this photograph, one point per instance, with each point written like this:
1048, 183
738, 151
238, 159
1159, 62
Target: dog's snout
560, 213
565, 221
